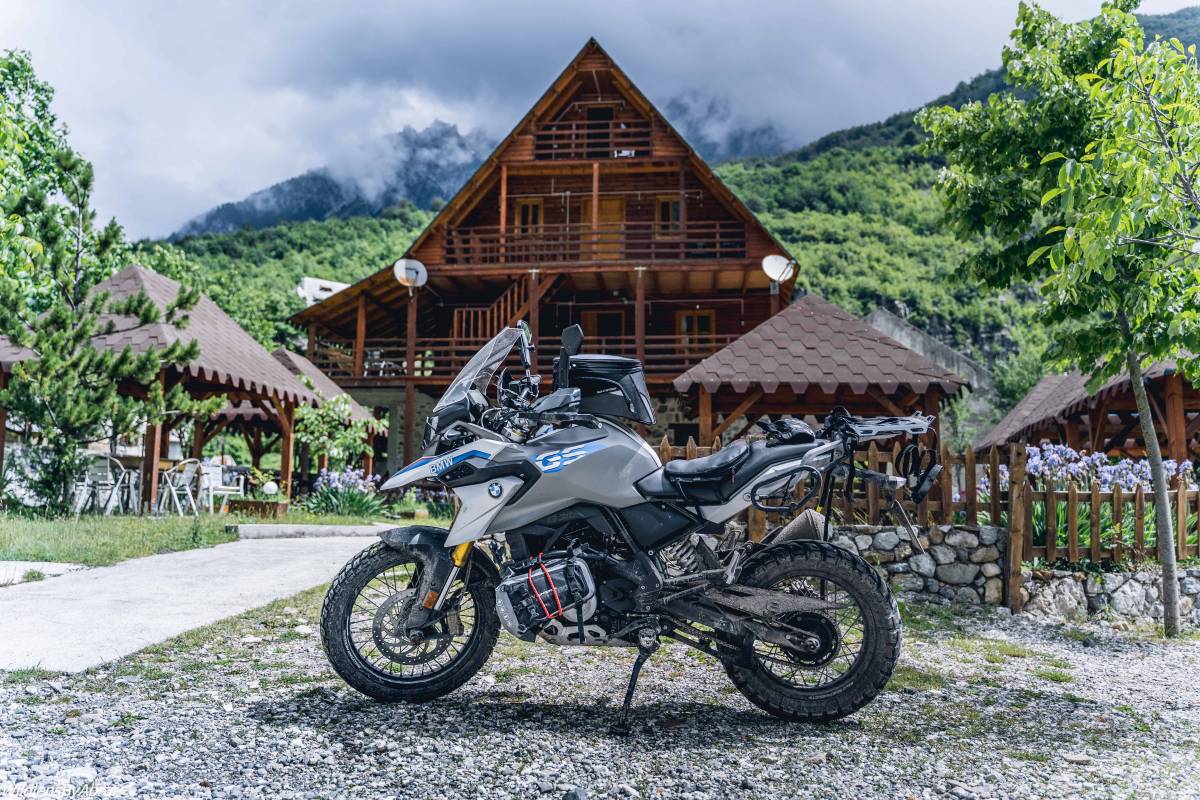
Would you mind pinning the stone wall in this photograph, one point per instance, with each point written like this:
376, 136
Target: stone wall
961, 563
1116, 596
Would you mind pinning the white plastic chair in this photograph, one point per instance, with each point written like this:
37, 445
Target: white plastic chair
104, 486
213, 485
175, 487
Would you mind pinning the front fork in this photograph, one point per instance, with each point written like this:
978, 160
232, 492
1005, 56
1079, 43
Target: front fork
434, 600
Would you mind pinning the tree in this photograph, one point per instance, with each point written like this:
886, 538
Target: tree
1131, 201
1019, 168
332, 432
69, 389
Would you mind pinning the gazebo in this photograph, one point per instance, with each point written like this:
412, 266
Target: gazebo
230, 363
807, 359
252, 422
1060, 409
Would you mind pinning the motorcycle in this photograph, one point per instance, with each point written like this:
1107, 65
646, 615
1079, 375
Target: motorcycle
571, 530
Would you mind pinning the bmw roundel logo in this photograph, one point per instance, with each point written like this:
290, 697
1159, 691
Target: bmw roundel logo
495, 489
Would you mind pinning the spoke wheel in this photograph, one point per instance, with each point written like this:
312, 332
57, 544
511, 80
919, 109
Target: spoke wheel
857, 643
364, 630
839, 635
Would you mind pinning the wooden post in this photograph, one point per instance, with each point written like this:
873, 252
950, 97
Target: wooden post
311, 348
534, 309
198, 439
1180, 518
1073, 522
1073, 441
994, 484
872, 489
1016, 525
410, 355
971, 489
1139, 523
360, 335
256, 448
639, 313
1094, 523
504, 209
150, 447
706, 425
947, 481
1051, 523
1118, 518
595, 200
1176, 423
287, 419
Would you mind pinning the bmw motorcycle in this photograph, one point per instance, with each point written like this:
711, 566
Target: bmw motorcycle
571, 530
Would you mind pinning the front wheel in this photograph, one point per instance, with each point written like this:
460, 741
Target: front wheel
859, 641
362, 628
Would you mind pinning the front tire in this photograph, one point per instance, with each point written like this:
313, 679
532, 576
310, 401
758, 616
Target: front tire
862, 650
359, 617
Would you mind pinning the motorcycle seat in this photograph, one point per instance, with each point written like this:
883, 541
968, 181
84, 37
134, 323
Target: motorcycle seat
716, 465
703, 482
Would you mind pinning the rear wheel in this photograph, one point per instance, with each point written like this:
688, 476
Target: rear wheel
362, 628
859, 642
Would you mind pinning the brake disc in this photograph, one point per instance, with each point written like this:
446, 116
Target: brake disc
392, 639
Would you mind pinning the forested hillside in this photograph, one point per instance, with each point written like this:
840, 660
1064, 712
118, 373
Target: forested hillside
253, 274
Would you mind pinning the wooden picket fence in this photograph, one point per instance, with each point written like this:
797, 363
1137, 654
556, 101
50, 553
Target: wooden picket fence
993, 488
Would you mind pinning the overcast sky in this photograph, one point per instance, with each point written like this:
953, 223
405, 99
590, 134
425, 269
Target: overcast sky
181, 106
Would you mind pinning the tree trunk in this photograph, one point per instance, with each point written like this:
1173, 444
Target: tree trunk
1164, 533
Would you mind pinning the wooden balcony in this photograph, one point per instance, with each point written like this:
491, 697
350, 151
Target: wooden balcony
574, 141
579, 243
438, 359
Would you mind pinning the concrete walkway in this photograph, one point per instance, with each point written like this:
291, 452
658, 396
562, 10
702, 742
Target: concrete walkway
15, 571
86, 618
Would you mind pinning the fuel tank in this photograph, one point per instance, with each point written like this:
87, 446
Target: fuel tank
578, 465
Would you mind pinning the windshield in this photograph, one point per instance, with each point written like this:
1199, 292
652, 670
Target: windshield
478, 372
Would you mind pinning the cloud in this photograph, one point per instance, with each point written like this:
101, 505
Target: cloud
183, 106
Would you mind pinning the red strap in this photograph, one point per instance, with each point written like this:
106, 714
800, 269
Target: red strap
553, 590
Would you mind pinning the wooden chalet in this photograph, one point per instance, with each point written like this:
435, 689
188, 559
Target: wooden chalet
593, 210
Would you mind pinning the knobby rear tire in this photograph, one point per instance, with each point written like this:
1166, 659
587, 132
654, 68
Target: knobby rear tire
881, 639
349, 664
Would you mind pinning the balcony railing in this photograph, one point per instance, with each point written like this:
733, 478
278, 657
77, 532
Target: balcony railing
579, 243
438, 359
562, 141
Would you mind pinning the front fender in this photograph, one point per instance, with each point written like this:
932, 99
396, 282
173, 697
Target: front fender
428, 544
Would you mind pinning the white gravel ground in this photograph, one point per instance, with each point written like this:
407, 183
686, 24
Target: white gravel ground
982, 706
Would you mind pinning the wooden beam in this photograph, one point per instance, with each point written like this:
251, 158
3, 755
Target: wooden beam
595, 196
503, 208
535, 295
199, 439
287, 417
360, 335
886, 402
706, 432
737, 413
312, 342
1176, 422
410, 355
639, 313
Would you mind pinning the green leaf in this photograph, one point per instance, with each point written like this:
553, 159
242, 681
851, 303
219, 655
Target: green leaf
1052, 157
1036, 254
1053, 193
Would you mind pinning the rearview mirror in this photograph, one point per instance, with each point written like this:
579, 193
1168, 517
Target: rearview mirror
572, 339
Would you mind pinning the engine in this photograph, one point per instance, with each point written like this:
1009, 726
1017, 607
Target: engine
553, 595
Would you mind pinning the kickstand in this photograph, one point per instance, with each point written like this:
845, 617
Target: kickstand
647, 644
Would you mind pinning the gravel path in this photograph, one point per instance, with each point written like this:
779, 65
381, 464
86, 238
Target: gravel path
982, 706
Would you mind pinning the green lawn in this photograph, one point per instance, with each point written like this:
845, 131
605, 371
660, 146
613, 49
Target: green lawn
100, 541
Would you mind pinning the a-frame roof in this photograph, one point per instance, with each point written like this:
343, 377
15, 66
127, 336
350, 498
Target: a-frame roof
561, 85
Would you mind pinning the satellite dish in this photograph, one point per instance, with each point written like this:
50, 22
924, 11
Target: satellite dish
778, 268
410, 272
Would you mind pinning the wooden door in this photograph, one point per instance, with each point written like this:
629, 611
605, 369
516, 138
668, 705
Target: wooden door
609, 243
